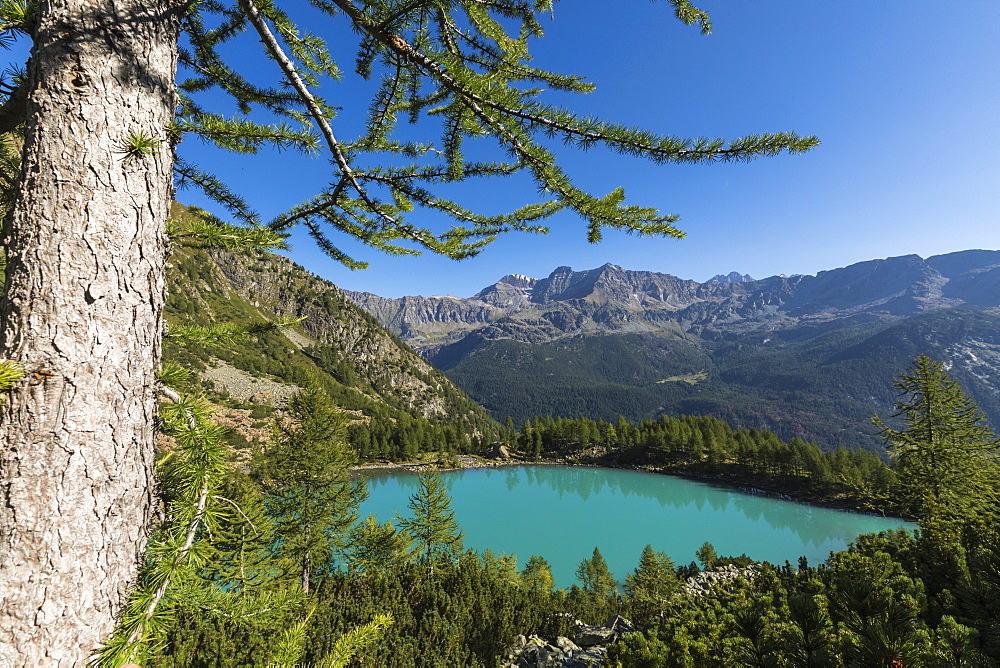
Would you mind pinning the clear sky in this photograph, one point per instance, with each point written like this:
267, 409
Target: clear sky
904, 94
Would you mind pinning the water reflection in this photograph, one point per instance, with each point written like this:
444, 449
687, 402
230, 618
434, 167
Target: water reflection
513, 478
812, 525
562, 512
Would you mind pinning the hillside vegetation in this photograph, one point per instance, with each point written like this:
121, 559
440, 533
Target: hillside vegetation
805, 356
363, 368
270, 563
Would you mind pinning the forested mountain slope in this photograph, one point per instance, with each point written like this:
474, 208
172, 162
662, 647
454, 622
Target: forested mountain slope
807, 356
363, 367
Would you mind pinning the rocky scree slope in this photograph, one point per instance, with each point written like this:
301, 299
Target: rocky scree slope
364, 367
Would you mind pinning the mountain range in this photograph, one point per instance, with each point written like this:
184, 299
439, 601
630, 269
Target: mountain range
807, 356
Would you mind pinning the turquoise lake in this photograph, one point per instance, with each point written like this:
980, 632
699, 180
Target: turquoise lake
562, 513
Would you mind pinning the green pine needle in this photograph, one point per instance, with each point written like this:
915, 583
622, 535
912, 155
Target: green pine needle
138, 144
205, 335
464, 66
11, 373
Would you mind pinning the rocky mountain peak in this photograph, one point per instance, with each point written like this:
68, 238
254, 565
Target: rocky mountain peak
731, 277
609, 298
743, 349
610, 273
510, 292
606, 284
561, 285
518, 281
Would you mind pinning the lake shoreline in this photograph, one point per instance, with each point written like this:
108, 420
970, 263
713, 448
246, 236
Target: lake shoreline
564, 511
752, 487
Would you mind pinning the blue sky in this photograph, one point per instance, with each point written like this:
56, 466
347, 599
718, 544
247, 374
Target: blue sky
905, 96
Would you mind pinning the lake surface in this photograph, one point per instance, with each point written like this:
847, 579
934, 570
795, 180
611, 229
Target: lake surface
562, 513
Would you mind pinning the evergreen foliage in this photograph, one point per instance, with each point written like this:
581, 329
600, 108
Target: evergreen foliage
978, 596
178, 548
463, 66
946, 456
652, 584
10, 373
372, 545
706, 446
868, 605
595, 576
310, 496
537, 575
197, 228
706, 556
433, 527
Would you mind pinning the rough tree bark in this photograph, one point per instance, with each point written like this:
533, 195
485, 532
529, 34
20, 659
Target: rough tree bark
83, 311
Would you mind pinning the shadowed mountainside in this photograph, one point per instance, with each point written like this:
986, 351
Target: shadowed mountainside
808, 356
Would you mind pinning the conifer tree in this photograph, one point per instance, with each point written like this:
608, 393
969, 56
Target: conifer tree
706, 555
652, 582
433, 526
877, 608
242, 541
536, 576
594, 575
809, 643
311, 497
503, 567
946, 458
98, 179
979, 593
372, 545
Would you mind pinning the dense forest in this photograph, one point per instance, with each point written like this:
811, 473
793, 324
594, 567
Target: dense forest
276, 549
710, 448
818, 381
891, 600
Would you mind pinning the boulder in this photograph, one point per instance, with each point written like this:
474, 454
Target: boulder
587, 658
588, 636
498, 451
566, 645
619, 625
588, 651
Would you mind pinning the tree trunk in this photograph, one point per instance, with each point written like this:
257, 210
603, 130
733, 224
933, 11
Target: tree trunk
306, 572
83, 312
